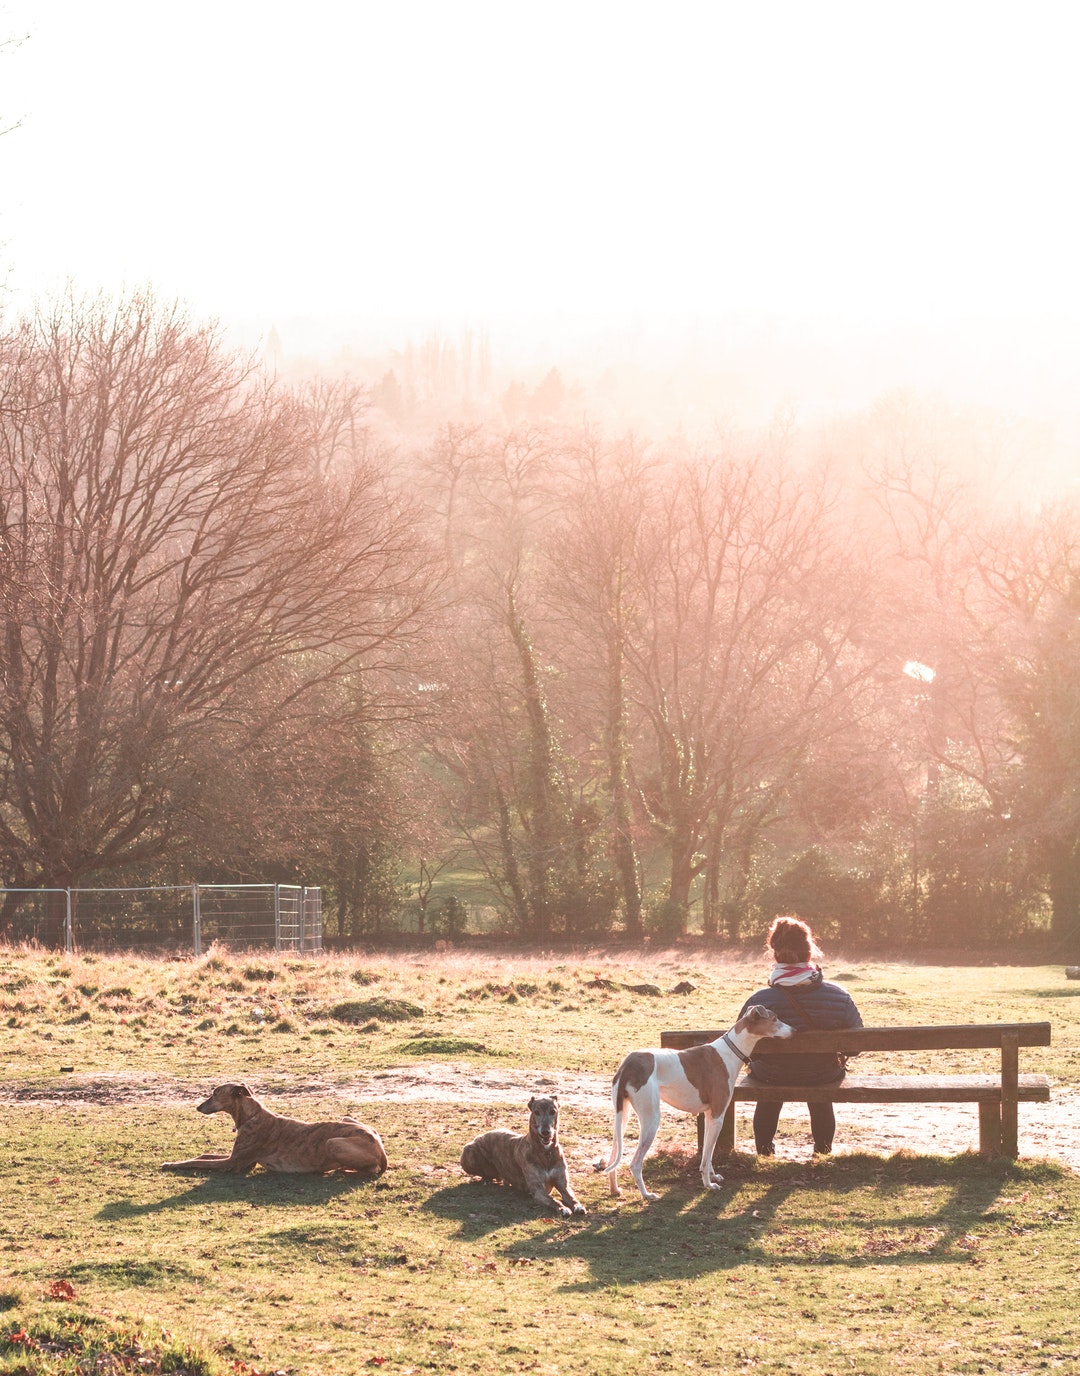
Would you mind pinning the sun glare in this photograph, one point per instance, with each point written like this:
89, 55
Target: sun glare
835, 160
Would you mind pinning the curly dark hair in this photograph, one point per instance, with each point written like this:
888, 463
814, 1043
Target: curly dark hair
791, 942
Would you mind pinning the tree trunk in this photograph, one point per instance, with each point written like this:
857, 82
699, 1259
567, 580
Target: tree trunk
546, 812
710, 898
683, 872
1065, 892
511, 871
627, 868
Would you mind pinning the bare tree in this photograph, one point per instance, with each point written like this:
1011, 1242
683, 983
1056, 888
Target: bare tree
1025, 740
939, 637
165, 552
336, 430
745, 652
516, 797
592, 581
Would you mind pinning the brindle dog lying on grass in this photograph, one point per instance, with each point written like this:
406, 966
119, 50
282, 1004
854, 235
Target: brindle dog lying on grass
285, 1144
533, 1162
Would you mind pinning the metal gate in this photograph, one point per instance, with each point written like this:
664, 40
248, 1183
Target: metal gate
174, 918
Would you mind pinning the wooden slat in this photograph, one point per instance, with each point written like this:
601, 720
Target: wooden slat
898, 1089
929, 1038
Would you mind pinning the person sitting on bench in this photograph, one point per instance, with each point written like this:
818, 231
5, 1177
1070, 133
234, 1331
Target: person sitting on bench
800, 994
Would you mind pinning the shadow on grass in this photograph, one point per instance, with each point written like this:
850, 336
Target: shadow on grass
855, 1211
124, 1274
480, 1208
269, 1187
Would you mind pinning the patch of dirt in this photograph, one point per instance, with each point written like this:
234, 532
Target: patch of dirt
1046, 1130
106, 1088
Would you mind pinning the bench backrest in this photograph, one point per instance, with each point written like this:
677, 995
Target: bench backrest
932, 1038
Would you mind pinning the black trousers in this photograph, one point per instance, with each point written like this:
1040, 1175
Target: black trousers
767, 1115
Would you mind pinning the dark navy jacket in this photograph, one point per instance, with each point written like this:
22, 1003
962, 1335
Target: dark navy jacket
815, 1005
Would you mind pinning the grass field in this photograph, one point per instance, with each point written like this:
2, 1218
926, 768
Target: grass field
859, 1263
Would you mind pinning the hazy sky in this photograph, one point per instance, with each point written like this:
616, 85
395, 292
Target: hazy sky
881, 160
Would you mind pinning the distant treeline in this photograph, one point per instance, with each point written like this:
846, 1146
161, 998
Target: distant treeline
595, 684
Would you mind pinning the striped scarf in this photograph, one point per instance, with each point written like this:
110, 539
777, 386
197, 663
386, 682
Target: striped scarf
794, 975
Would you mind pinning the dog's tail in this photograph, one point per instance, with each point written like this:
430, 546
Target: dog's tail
619, 1084
603, 1167
620, 1103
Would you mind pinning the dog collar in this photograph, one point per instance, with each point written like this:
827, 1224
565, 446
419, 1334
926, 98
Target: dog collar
741, 1055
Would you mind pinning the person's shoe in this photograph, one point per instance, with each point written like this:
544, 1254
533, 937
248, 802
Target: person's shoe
764, 1148
822, 1148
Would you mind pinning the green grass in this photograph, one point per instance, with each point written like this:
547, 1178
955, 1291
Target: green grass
69, 1342
858, 1263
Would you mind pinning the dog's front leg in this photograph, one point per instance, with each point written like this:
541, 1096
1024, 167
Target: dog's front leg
240, 1165
213, 1161
538, 1187
562, 1184
711, 1179
210, 1161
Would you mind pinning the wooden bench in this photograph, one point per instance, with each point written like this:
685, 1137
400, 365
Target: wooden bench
996, 1095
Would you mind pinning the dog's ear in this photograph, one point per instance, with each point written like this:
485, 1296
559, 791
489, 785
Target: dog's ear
532, 1101
242, 1092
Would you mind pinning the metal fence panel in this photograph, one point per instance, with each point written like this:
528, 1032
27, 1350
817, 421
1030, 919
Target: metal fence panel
136, 919
174, 918
39, 916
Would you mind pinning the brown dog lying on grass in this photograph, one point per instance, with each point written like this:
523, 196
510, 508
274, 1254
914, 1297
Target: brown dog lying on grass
534, 1162
285, 1144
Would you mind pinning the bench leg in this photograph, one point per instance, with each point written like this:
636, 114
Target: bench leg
990, 1128
1010, 1132
1010, 1145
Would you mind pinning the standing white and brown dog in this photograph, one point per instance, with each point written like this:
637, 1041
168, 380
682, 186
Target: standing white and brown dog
700, 1079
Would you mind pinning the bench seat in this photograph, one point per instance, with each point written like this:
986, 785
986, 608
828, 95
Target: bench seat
997, 1096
